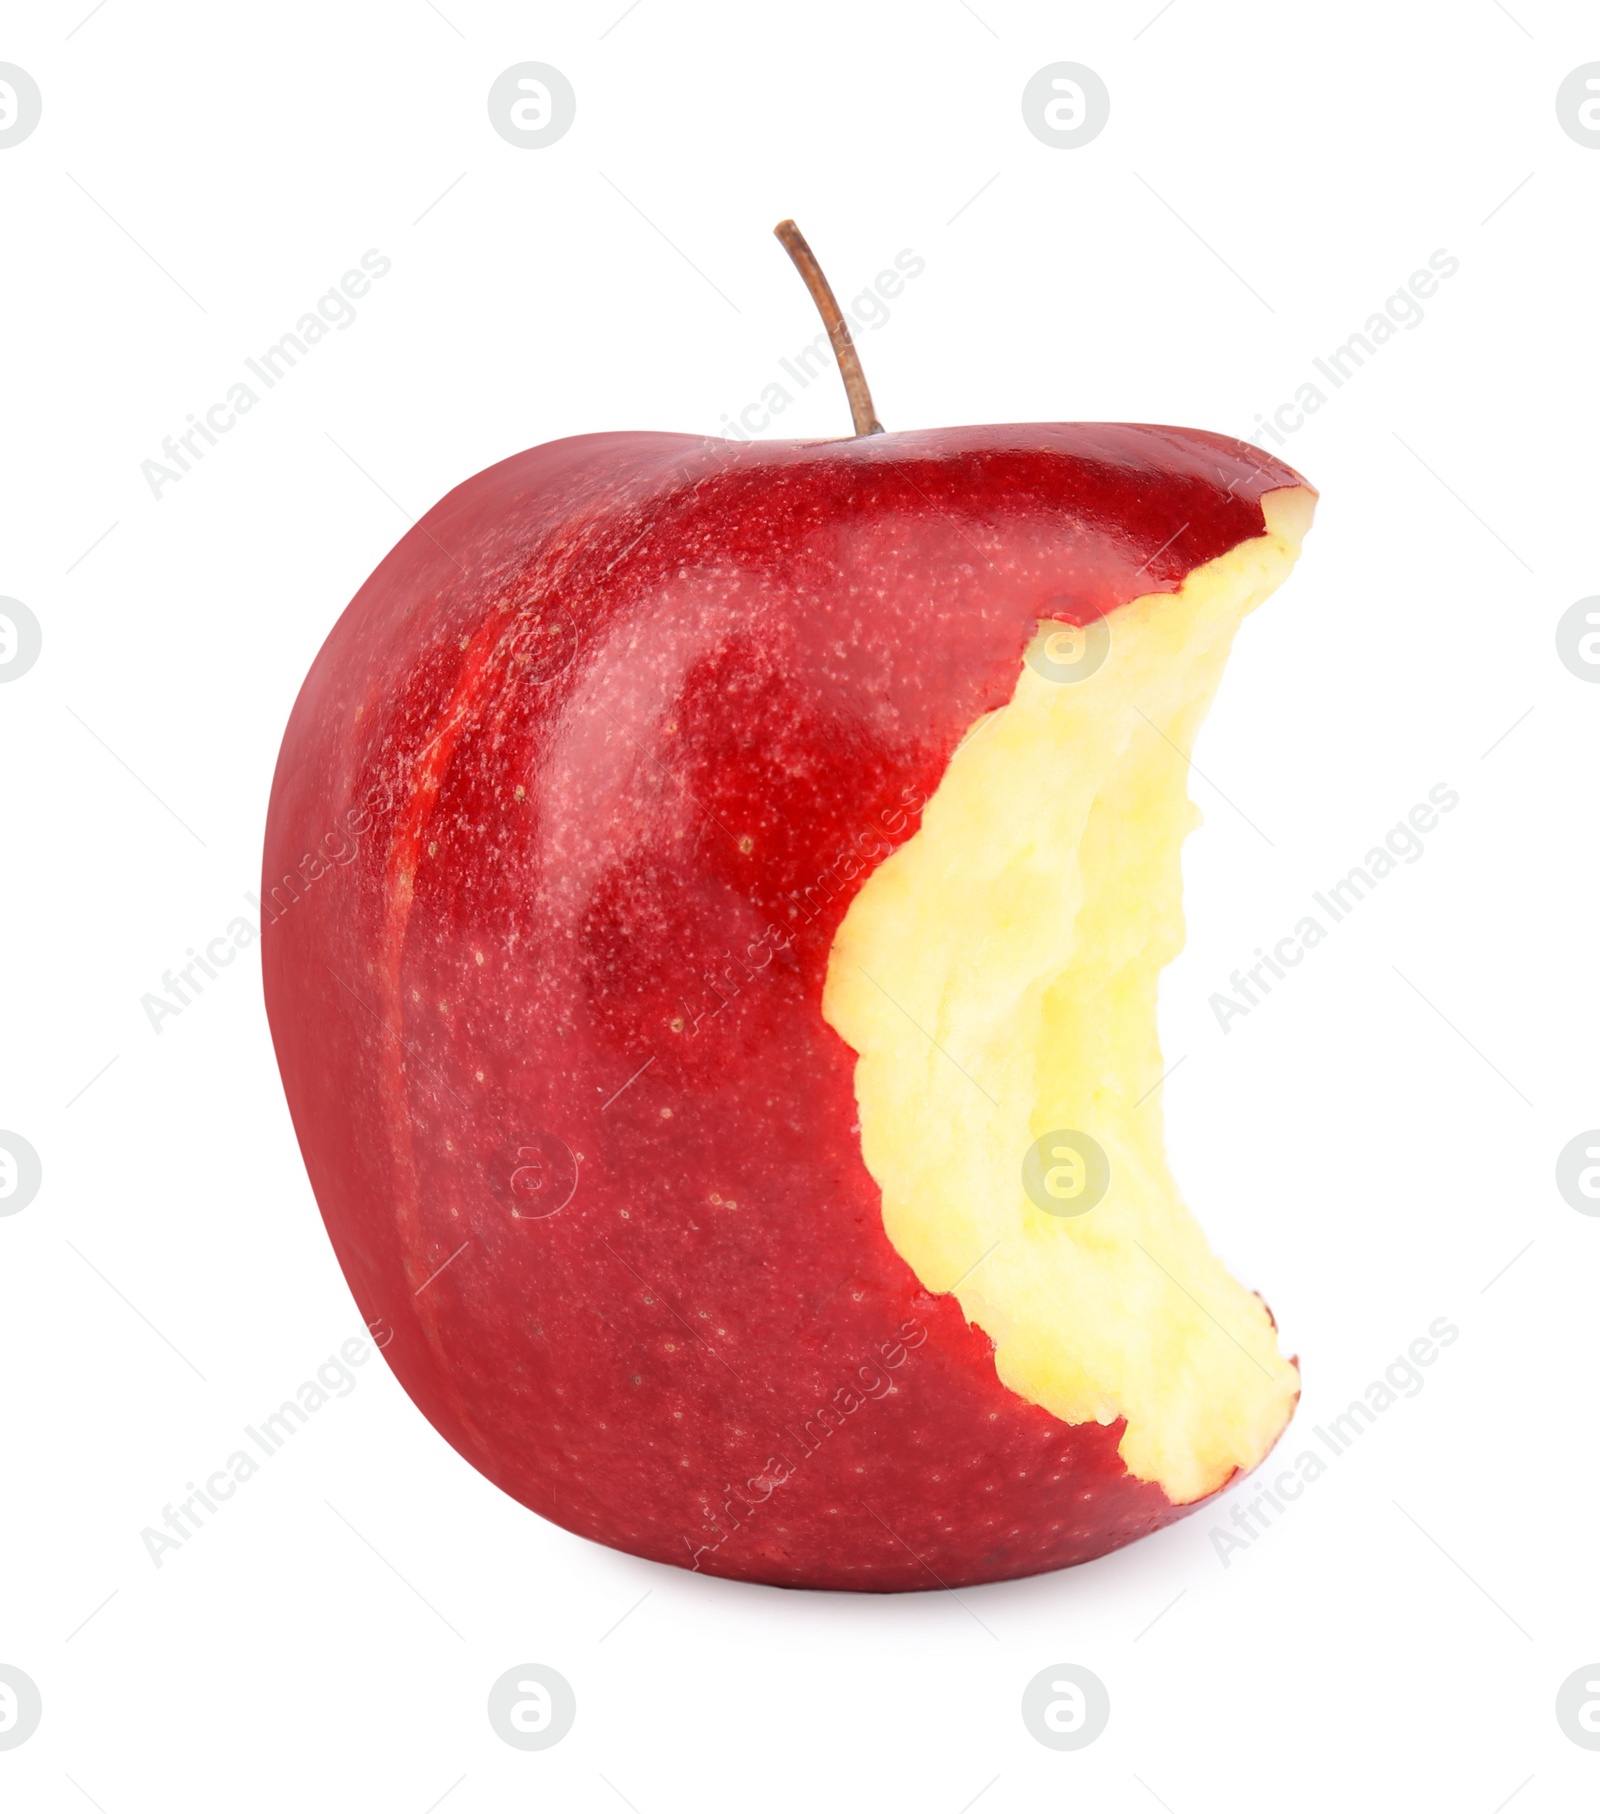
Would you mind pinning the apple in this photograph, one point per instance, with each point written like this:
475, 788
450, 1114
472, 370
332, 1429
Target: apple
715, 896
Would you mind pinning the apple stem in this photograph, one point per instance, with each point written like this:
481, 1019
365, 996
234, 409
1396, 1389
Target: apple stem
855, 380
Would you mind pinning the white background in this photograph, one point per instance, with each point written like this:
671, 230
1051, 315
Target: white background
1269, 176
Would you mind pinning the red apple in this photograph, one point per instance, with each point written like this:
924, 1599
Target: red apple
702, 881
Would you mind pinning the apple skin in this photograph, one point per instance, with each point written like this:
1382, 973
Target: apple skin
608, 742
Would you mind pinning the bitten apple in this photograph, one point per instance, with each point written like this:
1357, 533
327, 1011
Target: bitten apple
727, 1061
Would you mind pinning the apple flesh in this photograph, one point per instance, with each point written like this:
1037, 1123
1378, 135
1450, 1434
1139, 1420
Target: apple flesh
690, 888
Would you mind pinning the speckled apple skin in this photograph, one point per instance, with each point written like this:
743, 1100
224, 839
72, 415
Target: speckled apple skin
571, 806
